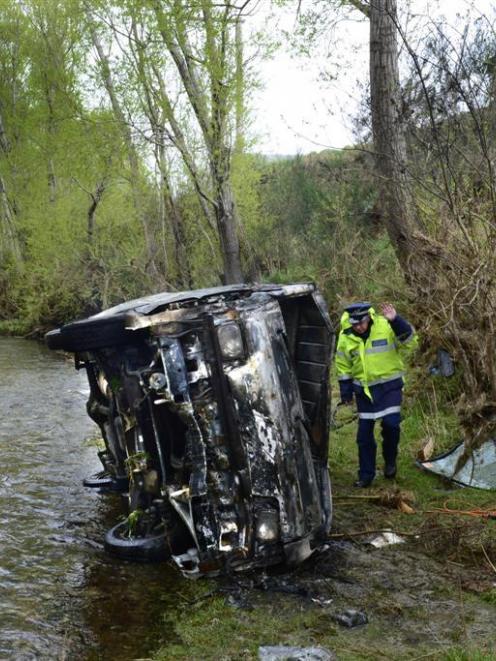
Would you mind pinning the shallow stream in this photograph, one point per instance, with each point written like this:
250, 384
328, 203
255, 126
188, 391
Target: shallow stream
61, 595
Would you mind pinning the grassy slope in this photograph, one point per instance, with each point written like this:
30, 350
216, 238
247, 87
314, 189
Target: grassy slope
207, 627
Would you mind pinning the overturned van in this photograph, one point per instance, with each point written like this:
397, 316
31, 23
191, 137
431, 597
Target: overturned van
214, 408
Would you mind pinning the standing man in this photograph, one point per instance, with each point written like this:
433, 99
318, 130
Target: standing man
369, 360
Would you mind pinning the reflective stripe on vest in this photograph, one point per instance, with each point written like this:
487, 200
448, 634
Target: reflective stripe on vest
380, 349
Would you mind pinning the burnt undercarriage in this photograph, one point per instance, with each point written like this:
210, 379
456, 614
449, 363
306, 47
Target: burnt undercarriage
216, 411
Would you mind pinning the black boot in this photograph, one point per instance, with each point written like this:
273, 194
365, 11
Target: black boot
362, 484
390, 471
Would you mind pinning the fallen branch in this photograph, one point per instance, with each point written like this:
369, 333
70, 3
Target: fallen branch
370, 532
359, 533
485, 514
488, 559
335, 426
396, 499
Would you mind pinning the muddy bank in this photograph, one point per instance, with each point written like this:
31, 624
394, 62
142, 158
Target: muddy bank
412, 602
420, 597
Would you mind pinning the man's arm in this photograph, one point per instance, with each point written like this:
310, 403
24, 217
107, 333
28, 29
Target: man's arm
403, 330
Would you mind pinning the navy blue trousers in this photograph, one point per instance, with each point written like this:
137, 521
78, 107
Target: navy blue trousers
367, 446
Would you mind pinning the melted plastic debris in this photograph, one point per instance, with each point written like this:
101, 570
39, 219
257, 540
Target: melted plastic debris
479, 470
351, 618
444, 365
386, 539
283, 653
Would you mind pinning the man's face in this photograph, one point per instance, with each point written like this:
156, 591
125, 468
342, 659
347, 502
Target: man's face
362, 326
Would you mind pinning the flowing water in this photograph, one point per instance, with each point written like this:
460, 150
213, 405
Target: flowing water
61, 596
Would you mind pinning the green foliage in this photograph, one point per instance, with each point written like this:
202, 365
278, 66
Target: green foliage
303, 218
133, 521
489, 596
313, 218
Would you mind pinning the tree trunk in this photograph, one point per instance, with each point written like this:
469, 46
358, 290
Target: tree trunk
176, 221
133, 158
8, 232
177, 138
387, 128
9, 241
211, 115
95, 201
51, 130
227, 223
239, 89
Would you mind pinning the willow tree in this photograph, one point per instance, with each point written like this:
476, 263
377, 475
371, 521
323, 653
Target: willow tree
172, 71
201, 41
134, 160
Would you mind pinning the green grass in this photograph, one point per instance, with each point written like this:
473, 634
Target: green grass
489, 596
461, 538
460, 654
214, 630
427, 413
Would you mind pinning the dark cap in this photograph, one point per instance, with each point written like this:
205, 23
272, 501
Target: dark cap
358, 311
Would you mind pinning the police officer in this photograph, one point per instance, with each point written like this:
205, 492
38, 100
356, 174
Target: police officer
369, 360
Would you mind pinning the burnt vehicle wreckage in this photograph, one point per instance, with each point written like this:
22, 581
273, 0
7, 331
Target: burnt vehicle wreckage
214, 408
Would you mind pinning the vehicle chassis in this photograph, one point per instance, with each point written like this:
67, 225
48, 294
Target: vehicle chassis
214, 409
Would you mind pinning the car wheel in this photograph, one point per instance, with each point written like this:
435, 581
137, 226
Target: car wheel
103, 480
152, 548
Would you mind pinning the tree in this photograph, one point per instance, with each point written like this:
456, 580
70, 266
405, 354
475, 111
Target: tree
390, 153
192, 96
13, 65
452, 113
132, 153
437, 190
213, 61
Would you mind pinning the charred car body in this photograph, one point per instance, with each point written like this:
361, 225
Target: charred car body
214, 408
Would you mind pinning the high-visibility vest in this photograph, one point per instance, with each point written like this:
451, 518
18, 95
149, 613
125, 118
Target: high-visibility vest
377, 360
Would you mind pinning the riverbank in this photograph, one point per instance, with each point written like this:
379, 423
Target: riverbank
18, 328
431, 596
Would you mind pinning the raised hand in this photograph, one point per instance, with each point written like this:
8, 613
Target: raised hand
388, 311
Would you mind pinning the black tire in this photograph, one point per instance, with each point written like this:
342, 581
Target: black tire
103, 480
91, 334
153, 548
98, 480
